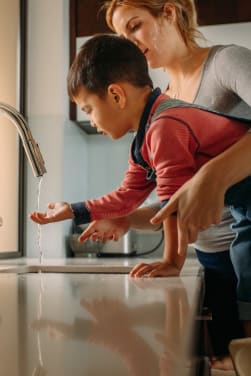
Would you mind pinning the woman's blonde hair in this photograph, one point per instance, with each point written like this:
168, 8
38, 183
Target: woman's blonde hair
185, 12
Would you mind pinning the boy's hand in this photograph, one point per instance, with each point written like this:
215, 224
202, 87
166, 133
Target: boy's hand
59, 211
154, 269
106, 229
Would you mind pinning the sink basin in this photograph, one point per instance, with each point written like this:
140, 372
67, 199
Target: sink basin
58, 266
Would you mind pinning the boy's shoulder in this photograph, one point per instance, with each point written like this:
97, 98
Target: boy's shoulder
167, 106
165, 103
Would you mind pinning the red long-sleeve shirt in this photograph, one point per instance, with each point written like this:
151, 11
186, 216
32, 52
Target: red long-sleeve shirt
175, 145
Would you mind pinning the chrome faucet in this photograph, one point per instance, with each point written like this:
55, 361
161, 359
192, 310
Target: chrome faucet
30, 146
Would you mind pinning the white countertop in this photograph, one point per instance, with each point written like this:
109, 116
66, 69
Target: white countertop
85, 265
95, 324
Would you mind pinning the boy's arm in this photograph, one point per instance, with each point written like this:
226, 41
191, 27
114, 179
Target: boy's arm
58, 211
171, 256
113, 229
172, 263
121, 202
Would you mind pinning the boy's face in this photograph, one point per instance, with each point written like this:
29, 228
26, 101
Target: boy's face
105, 113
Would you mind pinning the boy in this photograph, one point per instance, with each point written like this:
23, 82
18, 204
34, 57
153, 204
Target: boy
109, 80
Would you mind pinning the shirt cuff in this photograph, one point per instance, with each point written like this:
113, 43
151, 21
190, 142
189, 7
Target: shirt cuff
164, 202
81, 213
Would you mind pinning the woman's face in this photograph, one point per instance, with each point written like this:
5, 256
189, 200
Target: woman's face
154, 36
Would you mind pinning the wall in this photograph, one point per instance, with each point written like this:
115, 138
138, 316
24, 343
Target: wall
59, 139
238, 33
9, 10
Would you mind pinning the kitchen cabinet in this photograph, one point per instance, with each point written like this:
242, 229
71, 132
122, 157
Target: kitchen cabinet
85, 20
213, 12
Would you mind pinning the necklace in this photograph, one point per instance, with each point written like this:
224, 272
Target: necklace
185, 87
172, 93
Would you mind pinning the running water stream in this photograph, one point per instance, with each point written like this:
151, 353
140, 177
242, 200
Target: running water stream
39, 370
39, 231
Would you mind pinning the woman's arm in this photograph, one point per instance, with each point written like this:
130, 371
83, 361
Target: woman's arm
199, 202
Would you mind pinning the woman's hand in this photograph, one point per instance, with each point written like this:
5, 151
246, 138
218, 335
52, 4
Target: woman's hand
106, 229
58, 211
154, 269
198, 204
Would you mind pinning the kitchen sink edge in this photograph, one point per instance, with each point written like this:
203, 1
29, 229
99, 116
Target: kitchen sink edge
88, 265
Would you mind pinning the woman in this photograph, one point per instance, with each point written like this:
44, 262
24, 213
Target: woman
166, 32
219, 78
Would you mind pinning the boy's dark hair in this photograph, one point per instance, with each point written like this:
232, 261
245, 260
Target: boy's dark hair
105, 59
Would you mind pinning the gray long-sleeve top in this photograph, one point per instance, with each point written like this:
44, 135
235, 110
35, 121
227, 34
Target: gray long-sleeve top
225, 86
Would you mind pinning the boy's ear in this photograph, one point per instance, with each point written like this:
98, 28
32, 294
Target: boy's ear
117, 94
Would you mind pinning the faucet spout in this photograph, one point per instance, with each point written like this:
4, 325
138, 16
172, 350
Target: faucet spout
30, 146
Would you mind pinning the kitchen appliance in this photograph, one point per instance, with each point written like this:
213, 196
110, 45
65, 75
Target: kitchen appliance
133, 243
125, 246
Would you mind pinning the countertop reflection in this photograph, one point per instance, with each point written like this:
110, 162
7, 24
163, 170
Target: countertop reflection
96, 324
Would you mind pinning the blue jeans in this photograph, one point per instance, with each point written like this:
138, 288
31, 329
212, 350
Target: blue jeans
219, 262
220, 297
239, 199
